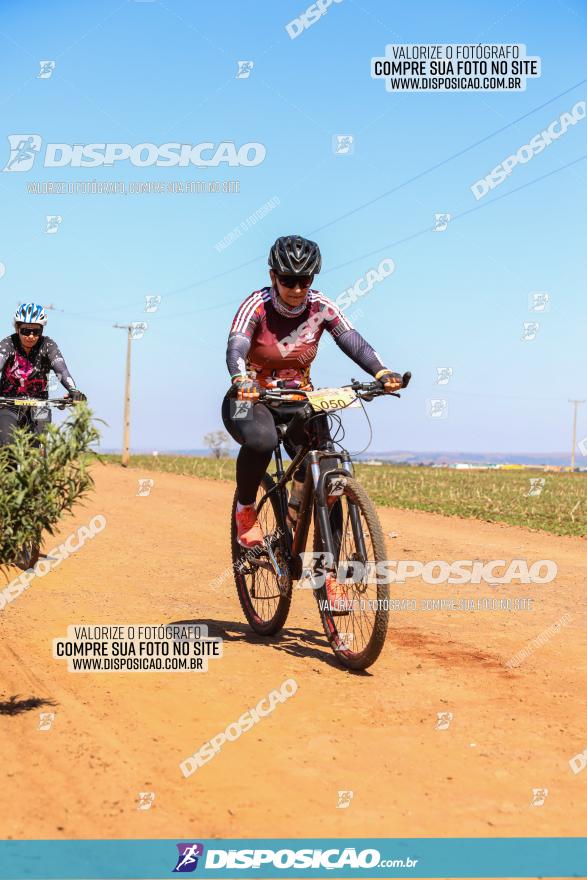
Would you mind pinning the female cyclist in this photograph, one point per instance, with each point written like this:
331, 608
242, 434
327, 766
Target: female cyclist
26, 357
274, 339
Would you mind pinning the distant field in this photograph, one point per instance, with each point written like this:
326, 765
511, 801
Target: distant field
492, 495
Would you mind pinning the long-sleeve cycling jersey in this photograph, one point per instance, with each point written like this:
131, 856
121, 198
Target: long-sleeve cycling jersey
25, 375
274, 346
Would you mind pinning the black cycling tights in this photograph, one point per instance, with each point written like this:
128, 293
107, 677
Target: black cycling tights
12, 417
257, 436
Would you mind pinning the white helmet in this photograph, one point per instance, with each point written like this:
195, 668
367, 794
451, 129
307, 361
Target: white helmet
30, 313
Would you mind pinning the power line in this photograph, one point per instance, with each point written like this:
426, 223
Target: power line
445, 161
372, 253
399, 241
360, 207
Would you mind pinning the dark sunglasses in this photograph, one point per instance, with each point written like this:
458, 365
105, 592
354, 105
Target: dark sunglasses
29, 331
292, 281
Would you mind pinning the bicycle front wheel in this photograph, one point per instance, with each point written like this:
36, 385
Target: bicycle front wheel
354, 607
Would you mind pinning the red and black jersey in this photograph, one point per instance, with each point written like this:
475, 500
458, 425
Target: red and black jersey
274, 343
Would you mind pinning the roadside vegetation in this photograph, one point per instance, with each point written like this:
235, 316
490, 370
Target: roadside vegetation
559, 505
38, 484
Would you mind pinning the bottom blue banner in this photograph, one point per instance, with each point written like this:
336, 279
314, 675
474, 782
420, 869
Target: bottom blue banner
308, 857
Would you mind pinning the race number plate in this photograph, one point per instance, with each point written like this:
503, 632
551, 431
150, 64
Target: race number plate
330, 399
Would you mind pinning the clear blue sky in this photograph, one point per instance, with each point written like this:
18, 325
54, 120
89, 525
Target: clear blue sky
158, 72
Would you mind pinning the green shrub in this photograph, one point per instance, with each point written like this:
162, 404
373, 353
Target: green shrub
39, 482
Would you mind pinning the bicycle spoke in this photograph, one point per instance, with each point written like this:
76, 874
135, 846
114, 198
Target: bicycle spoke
358, 634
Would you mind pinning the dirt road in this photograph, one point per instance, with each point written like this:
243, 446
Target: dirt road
117, 734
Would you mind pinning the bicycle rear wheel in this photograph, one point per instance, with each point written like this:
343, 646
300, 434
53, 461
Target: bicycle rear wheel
357, 634
264, 598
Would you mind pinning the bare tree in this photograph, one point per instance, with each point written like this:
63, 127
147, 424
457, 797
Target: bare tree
217, 442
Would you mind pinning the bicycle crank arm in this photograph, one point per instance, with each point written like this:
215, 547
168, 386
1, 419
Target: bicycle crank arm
261, 563
272, 567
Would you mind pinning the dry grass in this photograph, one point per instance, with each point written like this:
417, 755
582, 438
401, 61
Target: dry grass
491, 495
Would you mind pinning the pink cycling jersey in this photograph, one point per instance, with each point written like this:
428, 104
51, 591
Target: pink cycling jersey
266, 341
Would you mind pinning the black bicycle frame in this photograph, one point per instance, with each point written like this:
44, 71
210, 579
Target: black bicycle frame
319, 469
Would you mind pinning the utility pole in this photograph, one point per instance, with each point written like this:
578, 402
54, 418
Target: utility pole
126, 417
575, 405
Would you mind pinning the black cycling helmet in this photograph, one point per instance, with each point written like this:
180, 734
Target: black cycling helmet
294, 255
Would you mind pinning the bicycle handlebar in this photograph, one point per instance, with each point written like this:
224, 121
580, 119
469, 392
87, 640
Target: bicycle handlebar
369, 390
33, 401
363, 390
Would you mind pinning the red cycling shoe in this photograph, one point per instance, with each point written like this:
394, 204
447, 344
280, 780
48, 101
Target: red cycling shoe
248, 530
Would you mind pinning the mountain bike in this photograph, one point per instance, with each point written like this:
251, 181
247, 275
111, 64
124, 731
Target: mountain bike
36, 414
348, 540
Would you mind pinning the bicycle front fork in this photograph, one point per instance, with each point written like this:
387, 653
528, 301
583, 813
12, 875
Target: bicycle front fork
323, 467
